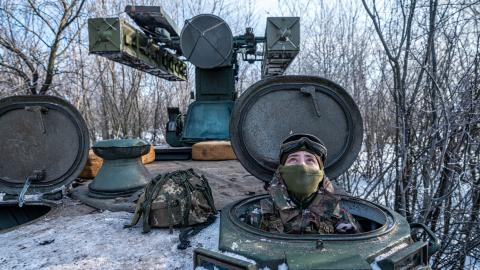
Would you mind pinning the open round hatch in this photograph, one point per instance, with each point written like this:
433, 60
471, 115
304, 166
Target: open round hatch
11, 215
274, 108
40, 135
374, 219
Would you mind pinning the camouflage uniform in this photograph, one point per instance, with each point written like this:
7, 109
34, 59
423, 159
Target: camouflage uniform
280, 214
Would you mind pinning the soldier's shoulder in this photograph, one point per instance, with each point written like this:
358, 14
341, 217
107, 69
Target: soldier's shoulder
333, 188
328, 185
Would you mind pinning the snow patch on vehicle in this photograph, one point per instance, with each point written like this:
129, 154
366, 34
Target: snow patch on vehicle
396, 248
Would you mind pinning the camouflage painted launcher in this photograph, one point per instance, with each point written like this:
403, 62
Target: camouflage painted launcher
118, 41
155, 45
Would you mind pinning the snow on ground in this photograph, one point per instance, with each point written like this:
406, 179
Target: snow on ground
98, 241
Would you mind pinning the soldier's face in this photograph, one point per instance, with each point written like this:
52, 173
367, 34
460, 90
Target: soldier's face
302, 158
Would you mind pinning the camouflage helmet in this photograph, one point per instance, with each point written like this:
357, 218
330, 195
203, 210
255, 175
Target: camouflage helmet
303, 142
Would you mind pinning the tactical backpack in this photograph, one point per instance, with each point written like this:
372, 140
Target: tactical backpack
177, 199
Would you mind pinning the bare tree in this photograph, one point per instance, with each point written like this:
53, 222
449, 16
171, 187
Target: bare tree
34, 36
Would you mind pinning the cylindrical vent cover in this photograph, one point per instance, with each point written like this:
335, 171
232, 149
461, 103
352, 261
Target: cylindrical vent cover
207, 41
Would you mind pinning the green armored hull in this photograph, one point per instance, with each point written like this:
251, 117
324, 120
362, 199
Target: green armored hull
386, 239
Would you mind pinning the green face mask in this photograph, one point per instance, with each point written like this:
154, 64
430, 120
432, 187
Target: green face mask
301, 181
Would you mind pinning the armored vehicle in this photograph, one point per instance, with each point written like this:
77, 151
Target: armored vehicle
256, 123
31, 177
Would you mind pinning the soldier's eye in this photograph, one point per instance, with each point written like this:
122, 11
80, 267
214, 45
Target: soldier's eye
291, 160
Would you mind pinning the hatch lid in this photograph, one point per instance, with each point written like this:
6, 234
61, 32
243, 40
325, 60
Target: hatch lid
273, 108
40, 133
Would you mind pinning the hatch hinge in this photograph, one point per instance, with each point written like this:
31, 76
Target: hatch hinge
310, 91
38, 175
41, 111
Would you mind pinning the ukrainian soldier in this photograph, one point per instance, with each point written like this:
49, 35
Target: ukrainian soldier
302, 198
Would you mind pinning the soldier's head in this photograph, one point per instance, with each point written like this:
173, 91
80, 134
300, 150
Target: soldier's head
301, 165
303, 158
303, 149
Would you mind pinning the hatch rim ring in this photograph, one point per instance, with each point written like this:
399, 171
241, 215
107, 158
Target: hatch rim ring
388, 227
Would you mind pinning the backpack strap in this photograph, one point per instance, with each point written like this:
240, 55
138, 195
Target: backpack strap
188, 193
149, 198
141, 201
144, 203
207, 192
188, 232
191, 231
170, 213
137, 214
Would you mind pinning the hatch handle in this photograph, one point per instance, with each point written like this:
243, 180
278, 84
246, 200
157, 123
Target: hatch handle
433, 242
41, 111
37, 175
310, 91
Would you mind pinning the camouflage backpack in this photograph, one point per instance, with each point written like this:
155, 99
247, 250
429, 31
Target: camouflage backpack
180, 198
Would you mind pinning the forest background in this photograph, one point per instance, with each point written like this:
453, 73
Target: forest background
412, 66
